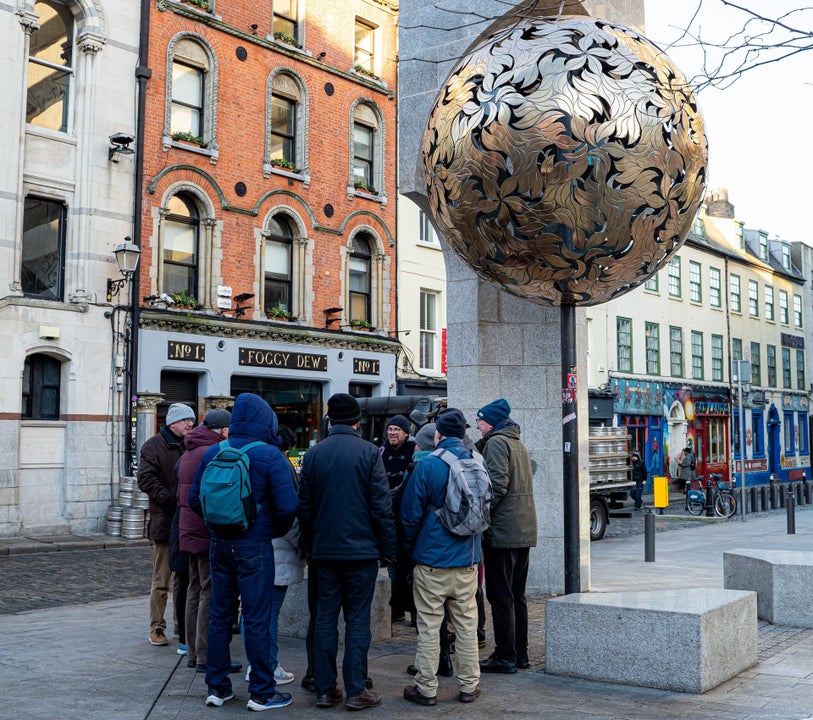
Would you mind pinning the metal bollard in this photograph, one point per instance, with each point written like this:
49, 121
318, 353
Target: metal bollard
764, 497
649, 536
753, 499
800, 493
790, 507
709, 499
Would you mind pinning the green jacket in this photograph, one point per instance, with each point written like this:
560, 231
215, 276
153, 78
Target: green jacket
513, 511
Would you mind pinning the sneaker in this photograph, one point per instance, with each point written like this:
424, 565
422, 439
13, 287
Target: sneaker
157, 637
277, 700
282, 677
181, 649
366, 700
217, 697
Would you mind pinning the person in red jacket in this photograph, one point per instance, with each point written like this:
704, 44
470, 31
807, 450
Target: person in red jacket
194, 535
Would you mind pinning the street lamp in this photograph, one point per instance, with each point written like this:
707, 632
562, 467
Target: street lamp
127, 255
743, 377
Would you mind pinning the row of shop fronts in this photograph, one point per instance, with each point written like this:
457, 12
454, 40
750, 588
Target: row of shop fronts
663, 418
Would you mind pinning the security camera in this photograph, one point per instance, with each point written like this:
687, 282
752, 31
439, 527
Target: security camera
121, 139
166, 298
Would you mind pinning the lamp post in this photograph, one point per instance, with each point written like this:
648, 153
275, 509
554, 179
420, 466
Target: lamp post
127, 255
743, 387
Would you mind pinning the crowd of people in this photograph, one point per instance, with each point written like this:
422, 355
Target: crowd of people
352, 509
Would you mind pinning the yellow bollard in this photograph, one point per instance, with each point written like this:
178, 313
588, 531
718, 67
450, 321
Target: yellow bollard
660, 488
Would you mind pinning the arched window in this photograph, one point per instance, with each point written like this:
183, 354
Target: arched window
286, 144
359, 278
186, 115
41, 385
181, 238
367, 150
191, 97
278, 265
50, 67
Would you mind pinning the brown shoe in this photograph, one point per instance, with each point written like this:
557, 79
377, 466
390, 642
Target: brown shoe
366, 700
334, 697
157, 637
469, 697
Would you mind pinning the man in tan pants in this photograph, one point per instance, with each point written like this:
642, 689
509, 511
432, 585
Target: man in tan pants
445, 575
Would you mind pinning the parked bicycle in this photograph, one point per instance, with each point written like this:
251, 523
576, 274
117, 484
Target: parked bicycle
723, 500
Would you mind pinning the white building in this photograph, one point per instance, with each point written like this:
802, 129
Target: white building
65, 203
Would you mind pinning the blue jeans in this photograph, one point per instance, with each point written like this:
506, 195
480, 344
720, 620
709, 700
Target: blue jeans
347, 585
277, 598
241, 570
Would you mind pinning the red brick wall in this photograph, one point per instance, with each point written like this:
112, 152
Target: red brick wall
241, 112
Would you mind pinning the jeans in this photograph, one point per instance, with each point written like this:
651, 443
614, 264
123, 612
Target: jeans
241, 570
277, 598
347, 585
506, 571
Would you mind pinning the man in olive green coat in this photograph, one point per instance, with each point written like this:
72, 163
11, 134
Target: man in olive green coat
507, 542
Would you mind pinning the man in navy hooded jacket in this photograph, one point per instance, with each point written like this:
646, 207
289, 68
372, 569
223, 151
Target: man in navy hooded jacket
242, 568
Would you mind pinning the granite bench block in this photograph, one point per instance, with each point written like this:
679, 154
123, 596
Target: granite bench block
683, 640
293, 618
782, 580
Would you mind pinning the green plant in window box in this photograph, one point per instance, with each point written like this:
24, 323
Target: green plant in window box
361, 324
284, 164
187, 137
277, 312
202, 4
365, 187
184, 301
286, 38
364, 71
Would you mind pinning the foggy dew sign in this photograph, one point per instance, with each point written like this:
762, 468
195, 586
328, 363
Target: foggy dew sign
280, 359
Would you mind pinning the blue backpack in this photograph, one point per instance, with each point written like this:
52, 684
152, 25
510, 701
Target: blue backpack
225, 491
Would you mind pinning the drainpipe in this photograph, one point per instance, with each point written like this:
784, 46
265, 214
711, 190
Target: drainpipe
143, 73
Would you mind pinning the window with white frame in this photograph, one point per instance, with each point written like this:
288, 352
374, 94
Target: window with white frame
763, 247
187, 101
769, 312
735, 293
786, 256
426, 232
364, 47
736, 349
623, 342
753, 298
652, 332
786, 380
756, 364
429, 331
652, 283
285, 23
717, 358
676, 351
800, 370
715, 287
674, 277
42, 271
697, 355
192, 101
770, 356
49, 92
797, 310
287, 124
181, 230
278, 268
783, 307
695, 287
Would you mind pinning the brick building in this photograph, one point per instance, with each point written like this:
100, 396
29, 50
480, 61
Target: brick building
268, 206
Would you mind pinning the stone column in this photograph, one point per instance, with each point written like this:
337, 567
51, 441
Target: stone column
221, 402
146, 409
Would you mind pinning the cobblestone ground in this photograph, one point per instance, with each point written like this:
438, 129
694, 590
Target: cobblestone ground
50, 579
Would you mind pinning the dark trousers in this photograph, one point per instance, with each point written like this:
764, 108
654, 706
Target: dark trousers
313, 597
241, 570
506, 573
347, 586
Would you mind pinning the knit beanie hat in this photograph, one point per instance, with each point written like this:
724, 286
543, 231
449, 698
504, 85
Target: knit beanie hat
399, 421
451, 423
495, 412
425, 437
178, 412
343, 409
217, 419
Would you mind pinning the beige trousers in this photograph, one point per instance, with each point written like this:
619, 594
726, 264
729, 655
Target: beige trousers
454, 588
159, 591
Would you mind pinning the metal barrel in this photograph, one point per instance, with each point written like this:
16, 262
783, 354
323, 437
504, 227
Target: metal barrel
132, 523
125, 497
140, 499
113, 520
126, 483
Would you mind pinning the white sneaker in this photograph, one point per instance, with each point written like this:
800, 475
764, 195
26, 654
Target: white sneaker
281, 677
248, 673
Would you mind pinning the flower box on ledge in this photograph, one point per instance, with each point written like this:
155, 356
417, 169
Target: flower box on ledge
283, 164
360, 325
365, 187
284, 37
188, 138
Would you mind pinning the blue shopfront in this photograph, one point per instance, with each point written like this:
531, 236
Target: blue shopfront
638, 406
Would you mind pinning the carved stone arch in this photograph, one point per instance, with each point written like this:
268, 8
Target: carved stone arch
365, 111
212, 75
289, 84
184, 186
291, 214
88, 14
367, 230
379, 275
301, 263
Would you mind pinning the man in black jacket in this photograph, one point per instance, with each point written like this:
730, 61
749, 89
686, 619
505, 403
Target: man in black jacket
156, 477
347, 527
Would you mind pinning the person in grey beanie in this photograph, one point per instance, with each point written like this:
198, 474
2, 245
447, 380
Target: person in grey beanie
156, 478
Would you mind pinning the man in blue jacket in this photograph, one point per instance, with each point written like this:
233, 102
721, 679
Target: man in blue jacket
348, 527
242, 568
445, 571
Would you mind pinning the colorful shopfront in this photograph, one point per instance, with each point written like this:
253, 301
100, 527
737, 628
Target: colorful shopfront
638, 405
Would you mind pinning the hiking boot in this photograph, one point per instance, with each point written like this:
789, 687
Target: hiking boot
469, 697
334, 697
217, 697
157, 637
277, 700
366, 700
412, 694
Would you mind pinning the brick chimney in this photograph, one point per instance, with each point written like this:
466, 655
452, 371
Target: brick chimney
717, 204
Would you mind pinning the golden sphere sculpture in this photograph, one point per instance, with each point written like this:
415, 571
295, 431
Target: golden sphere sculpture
565, 159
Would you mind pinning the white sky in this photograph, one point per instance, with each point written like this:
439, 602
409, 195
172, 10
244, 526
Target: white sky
760, 130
